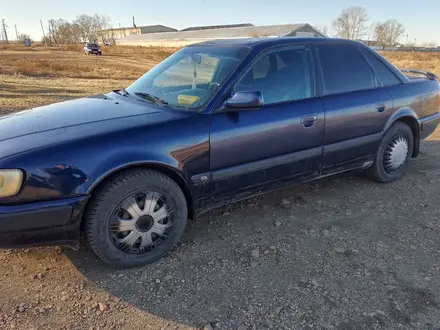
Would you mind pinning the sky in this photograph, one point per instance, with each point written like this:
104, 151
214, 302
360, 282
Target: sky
420, 18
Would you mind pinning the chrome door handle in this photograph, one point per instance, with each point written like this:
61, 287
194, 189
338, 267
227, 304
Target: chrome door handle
309, 119
381, 107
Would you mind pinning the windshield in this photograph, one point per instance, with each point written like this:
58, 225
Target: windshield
188, 78
92, 45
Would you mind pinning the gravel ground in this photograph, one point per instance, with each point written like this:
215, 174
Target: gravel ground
339, 253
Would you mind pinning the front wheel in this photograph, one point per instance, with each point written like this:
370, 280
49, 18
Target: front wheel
136, 218
394, 154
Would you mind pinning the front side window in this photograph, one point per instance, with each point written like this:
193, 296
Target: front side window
190, 77
280, 76
344, 69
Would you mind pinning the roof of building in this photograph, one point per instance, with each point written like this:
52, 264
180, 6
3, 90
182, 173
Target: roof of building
212, 27
225, 33
156, 29
147, 28
271, 41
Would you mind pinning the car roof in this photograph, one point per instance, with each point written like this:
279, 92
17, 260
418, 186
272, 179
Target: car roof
274, 41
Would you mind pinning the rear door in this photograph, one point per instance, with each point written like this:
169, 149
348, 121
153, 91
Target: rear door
255, 150
357, 106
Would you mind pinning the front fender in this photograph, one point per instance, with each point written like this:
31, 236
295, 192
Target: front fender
112, 166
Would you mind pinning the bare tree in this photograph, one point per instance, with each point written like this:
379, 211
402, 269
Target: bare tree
85, 24
84, 28
64, 32
101, 22
388, 33
90, 26
23, 37
322, 28
351, 24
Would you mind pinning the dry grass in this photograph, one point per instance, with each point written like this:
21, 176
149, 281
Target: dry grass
63, 62
415, 60
55, 68
41, 75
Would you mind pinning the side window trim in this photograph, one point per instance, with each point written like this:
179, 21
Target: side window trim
376, 77
312, 67
364, 53
317, 71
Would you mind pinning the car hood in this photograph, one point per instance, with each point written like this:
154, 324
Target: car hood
93, 115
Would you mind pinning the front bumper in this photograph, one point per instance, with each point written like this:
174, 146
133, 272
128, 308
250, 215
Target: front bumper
46, 223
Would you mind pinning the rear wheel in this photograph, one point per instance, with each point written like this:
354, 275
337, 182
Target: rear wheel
394, 154
136, 218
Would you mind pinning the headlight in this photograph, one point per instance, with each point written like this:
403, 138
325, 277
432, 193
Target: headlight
10, 182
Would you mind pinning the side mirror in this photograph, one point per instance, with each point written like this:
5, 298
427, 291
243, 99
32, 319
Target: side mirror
247, 100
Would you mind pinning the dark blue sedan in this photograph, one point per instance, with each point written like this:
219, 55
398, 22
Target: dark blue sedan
215, 123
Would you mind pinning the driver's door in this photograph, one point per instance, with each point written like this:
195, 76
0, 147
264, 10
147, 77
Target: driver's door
257, 150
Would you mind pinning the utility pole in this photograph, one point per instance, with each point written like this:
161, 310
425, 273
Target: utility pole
50, 35
16, 33
4, 30
42, 29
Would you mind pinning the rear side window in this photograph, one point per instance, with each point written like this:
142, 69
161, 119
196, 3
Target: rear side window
344, 69
385, 75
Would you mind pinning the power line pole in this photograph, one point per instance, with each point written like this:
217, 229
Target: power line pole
50, 35
42, 29
16, 33
4, 30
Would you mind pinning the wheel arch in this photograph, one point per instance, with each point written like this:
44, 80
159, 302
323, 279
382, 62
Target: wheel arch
410, 118
159, 167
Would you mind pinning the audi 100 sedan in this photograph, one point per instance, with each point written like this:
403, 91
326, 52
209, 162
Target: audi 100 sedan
215, 123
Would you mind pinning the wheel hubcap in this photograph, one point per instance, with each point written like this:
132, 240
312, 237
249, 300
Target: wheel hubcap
396, 153
144, 223
141, 222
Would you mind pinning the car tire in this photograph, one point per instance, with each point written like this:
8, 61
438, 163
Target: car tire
394, 154
120, 229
